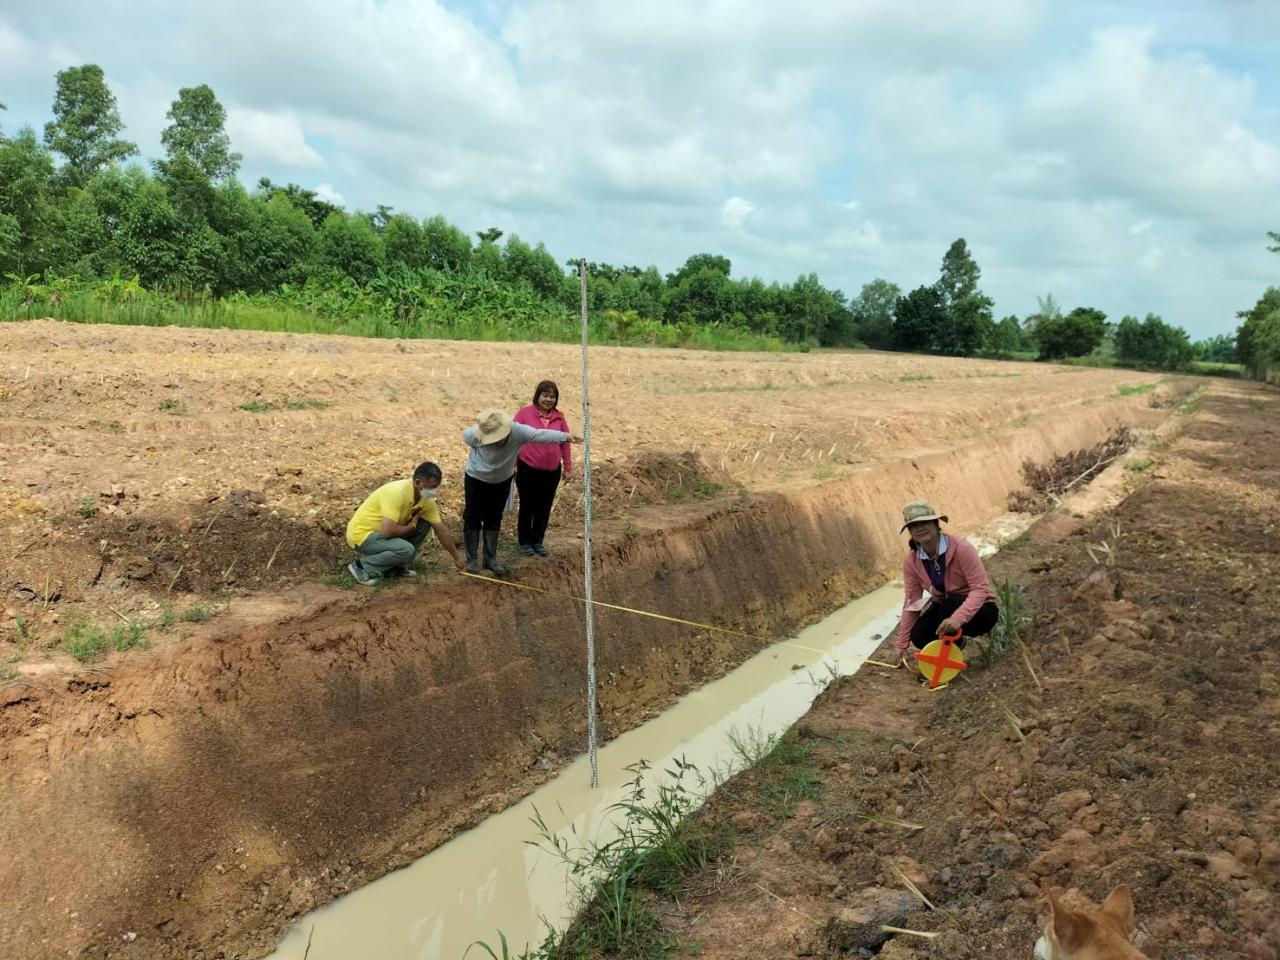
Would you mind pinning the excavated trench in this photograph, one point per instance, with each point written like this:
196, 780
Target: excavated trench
193, 802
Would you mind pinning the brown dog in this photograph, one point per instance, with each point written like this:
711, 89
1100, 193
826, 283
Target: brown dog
1090, 934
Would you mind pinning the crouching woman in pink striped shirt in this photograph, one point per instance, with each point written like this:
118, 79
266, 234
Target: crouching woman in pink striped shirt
947, 587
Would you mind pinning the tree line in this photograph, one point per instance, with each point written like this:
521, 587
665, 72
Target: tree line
1258, 339
77, 208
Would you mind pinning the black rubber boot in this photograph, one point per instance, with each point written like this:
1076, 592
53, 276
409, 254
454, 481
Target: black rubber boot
471, 540
491, 554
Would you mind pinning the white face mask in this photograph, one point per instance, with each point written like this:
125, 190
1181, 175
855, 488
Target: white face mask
428, 494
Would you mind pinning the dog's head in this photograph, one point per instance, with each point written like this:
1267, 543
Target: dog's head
1089, 934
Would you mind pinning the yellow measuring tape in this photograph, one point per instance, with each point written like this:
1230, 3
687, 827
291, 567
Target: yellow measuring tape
663, 616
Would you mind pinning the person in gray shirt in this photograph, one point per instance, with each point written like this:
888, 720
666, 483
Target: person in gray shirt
495, 443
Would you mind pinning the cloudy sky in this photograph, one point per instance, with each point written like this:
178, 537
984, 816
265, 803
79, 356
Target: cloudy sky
1124, 155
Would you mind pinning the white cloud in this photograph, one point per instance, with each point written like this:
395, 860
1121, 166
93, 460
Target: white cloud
326, 192
14, 48
734, 212
1074, 152
1169, 131
272, 137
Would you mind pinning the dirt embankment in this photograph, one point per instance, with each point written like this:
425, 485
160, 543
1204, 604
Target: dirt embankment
191, 800
1142, 751
144, 472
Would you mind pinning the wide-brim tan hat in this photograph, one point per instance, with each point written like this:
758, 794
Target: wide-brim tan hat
492, 426
919, 510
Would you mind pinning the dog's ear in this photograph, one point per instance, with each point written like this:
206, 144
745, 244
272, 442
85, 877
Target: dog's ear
1119, 909
1069, 928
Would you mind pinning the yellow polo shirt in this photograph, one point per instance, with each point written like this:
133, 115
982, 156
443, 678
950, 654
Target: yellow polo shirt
394, 501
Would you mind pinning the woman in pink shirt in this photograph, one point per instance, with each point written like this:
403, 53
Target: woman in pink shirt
538, 470
947, 587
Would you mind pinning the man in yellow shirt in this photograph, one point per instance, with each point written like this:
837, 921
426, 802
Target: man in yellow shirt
392, 523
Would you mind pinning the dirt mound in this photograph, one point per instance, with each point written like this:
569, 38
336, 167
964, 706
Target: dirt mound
658, 476
1047, 482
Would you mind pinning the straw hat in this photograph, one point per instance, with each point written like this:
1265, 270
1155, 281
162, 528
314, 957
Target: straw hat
492, 426
918, 510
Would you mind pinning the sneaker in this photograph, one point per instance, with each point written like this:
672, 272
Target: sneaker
362, 578
408, 572
540, 550
526, 550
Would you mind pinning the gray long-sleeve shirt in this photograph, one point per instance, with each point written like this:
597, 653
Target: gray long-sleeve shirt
496, 462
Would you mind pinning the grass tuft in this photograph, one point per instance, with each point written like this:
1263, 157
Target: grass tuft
86, 640
1012, 600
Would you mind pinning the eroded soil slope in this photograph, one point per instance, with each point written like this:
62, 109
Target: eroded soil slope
1144, 754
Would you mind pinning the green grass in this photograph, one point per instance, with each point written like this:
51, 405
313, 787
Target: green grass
262, 406
86, 507
659, 843
439, 307
779, 767
1017, 543
201, 612
1130, 390
174, 406
26, 636
1139, 465
87, 640
915, 377
1187, 405
1012, 600
1211, 368
738, 388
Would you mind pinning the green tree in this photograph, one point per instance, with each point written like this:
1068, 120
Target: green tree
490, 235
486, 258
405, 242
1077, 334
197, 135
967, 308
533, 265
276, 245
26, 176
349, 244
705, 297
1152, 343
1006, 337
873, 311
85, 125
696, 264
305, 200
448, 248
1048, 309
812, 313
1258, 338
1217, 349
917, 318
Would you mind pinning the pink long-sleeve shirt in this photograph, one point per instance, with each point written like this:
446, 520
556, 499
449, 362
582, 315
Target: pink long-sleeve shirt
965, 576
545, 456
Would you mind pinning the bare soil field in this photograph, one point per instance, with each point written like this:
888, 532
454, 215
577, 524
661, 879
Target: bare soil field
1135, 745
286, 738
147, 468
